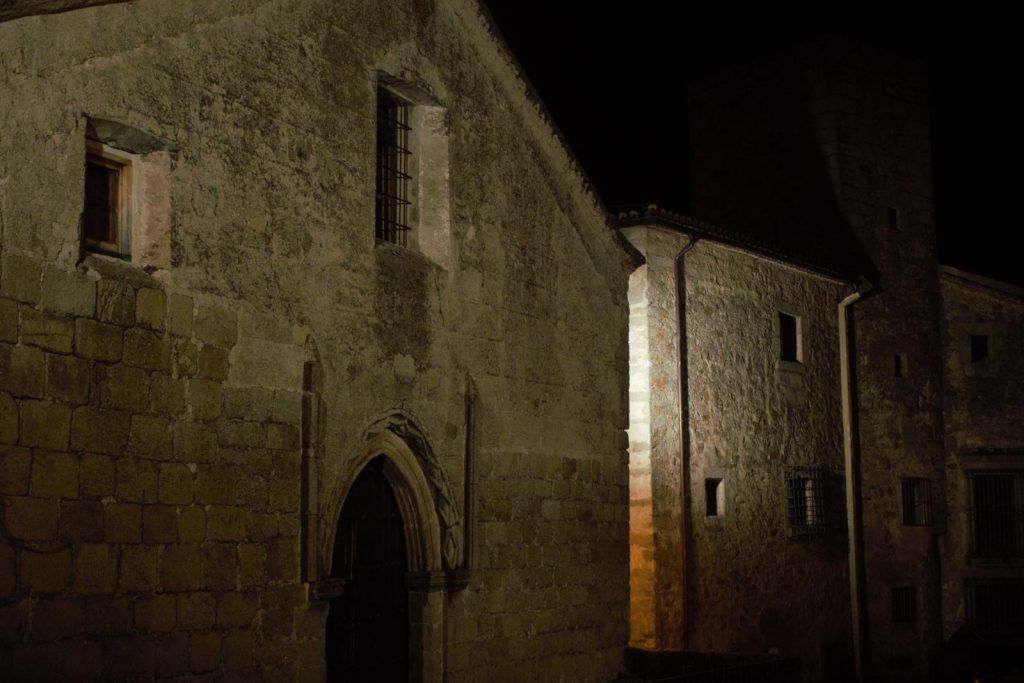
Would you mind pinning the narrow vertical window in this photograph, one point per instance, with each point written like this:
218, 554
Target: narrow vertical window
899, 366
714, 498
393, 176
789, 338
805, 502
106, 212
895, 219
979, 348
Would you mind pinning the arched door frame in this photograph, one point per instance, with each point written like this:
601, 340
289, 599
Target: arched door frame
426, 578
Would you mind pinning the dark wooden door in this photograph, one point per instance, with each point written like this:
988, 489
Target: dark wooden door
368, 627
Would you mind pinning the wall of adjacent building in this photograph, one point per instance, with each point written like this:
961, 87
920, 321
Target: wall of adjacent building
984, 402
151, 483
753, 586
738, 581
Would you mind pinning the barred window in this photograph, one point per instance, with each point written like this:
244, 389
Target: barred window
917, 502
393, 172
903, 604
805, 501
997, 514
996, 607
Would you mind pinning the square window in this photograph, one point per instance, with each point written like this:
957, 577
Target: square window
903, 604
714, 497
790, 342
805, 501
979, 348
107, 211
917, 502
393, 168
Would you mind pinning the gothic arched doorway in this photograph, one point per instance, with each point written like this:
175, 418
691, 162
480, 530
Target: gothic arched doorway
368, 626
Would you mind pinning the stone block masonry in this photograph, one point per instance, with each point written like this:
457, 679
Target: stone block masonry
210, 407
128, 519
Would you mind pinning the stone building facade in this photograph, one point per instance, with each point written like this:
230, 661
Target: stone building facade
814, 166
983, 322
755, 422
824, 445
180, 427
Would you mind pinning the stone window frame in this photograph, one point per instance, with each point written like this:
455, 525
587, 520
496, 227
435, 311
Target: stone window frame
427, 194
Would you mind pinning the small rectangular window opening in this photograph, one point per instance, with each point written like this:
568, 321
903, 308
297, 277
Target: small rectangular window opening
916, 502
979, 348
898, 365
903, 601
805, 502
789, 338
106, 213
393, 172
714, 498
895, 219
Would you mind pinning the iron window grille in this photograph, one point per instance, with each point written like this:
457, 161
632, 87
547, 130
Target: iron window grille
997, 515
916, 501
805, 501
903, 604
393, 175
996, 607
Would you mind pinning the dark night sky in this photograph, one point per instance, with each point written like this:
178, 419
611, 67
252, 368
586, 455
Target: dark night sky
614, 78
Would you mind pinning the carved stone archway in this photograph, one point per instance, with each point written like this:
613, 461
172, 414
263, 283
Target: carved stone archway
431, 520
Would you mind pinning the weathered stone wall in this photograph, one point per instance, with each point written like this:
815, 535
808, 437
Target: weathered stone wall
151, 513
984, 402
269, 108
829, 146
752, 586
